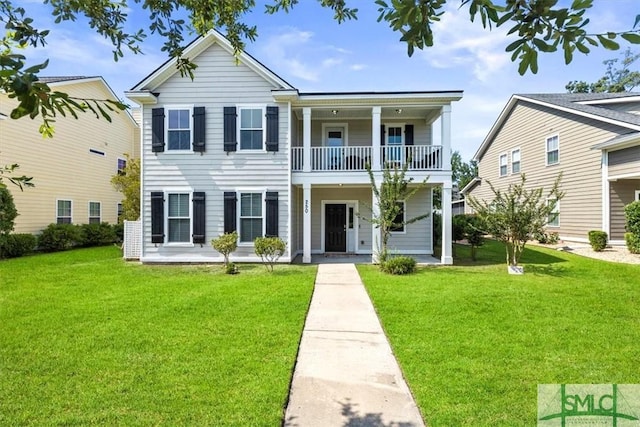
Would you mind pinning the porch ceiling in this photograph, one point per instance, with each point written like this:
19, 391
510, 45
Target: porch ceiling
341, 113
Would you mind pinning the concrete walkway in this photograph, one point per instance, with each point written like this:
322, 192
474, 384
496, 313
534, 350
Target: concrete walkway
346, 374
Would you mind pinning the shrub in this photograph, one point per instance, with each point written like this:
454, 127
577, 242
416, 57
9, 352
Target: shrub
225, 244
458, 227
633, 242
632, 216
17, 245
119, 230
59, 237
8, 212
269, 249
399, 265
598, 240
474, 234
436, 228
547, 238
97, 234
231, 268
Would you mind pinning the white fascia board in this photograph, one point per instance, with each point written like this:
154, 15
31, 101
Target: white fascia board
620, 100
391, 98
141, 97
619, 143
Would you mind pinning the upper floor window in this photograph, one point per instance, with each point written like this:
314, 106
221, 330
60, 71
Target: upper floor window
515, 161
178, 218
122, 164
553, 150
63, 212
179, 129
399, 219
554, 215
251, 128
250, 216
503, 164
94, 213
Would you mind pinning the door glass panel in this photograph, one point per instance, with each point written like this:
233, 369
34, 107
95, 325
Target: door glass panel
394, 140
334, 152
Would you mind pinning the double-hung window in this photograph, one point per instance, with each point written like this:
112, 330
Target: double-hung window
179, 129
515, 161
503, 165
178, 218
251, 128
122, 164
554, 215
251, 218
553, 150
95, 216
398, 221
63, 212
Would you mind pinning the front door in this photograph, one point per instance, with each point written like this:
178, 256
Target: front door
335, 218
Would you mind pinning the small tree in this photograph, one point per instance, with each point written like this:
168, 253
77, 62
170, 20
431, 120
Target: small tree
269, 249
127, 182
225, 244
474, 234
393, 189
8, 212
513, 217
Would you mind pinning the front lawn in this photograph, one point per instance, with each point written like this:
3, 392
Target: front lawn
87, 339
474, 342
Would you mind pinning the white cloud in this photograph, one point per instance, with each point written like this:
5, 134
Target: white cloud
357, 67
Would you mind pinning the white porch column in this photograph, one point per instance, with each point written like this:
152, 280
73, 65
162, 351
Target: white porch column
306, 223
445, 129
376, 233
376, 164
306, 140
606, 198
446, 256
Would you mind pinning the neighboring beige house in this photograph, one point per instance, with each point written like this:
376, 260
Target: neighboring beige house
72, 170
593, 139
240, 149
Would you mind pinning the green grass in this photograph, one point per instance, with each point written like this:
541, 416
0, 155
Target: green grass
474, 342
88, 339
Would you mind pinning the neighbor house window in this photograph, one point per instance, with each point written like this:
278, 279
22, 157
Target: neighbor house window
553, 150
120, 211
178, 218
251, 125
250, 216
179, 129
515, 161
63, 215
122, 164
94, 213
503, 164
399, 219
554, 216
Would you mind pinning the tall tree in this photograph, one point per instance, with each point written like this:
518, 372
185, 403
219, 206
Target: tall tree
390, 197
622, 79
534, 26
462, 172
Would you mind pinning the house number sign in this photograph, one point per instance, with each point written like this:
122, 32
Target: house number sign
306, 206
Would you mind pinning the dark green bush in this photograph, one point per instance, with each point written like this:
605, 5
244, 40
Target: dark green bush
547, 238
633, 242
59, 237
119, 230
632, 217
474, 233
458, 227
598, 240
17, 245
399, 265
97, 234
436, 228
8, 211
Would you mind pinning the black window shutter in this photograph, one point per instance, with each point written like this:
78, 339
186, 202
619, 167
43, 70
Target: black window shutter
230, 141
157, 217
381, 134
408, 134
199, 217
198, 130
230, 211
272, 214
157, 130
273, 130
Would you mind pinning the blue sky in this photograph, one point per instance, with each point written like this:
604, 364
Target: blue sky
313, 53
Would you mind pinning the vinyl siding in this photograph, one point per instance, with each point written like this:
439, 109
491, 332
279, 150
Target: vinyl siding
62, 167
417, 236
218, 82
624, 162
526, 127
622, 193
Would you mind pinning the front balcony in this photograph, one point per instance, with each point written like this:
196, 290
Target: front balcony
356, 158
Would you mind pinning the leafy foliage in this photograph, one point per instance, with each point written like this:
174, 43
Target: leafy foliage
632, 217
59, 237
598, 240
225, 244
20, 181
615, 79
516, 215
17, 245
8, 211
399, 265
128, 183
633, 242
547, 238
462, 172
393, 189
97, 234
269, 249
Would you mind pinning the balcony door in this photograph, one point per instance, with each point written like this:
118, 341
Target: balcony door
334, 140
394, 144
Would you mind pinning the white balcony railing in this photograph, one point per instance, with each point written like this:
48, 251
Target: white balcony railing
355, 158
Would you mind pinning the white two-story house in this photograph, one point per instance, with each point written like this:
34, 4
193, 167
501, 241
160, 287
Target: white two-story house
238, 148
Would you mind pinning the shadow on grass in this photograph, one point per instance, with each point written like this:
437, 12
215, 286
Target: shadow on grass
493, 253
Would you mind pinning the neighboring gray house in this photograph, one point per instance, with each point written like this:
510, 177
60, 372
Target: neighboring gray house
593, 139
238, 148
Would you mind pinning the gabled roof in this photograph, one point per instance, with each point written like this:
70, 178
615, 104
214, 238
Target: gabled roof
195, 48
581, 104
58, 79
